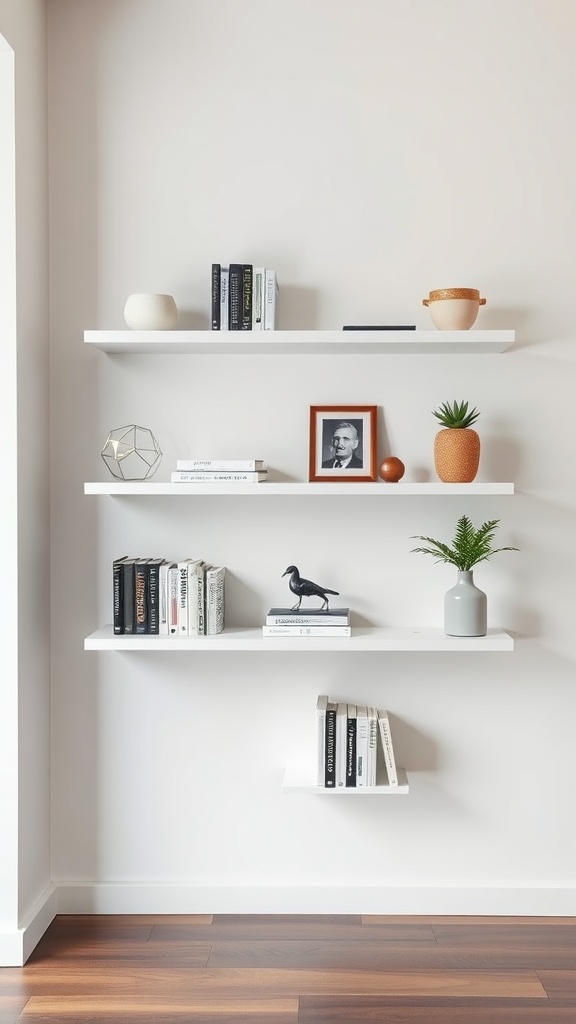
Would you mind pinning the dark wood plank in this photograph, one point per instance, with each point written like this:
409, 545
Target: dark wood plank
517, 934
249, 920
83, 952
240, 930
559, 984
371, 1010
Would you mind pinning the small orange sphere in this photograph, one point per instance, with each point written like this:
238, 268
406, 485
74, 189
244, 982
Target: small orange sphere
392, 470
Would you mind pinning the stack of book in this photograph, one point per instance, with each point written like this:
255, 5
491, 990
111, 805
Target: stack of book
307, 622
348, 744
244, 298
229, 471
156, 596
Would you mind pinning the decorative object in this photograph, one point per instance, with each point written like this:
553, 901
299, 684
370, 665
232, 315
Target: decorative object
465, 611
456, 447
454, 309
392, 469
131, 453
305, 588
150, 312
342, 443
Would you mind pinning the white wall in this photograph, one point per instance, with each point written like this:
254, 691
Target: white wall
25, 904
369, 152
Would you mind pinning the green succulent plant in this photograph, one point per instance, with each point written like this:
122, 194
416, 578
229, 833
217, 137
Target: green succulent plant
455, 415
469, 546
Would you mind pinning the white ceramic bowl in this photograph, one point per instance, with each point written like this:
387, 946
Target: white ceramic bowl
150, 312
454, 309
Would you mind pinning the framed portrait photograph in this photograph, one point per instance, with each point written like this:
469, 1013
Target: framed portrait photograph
342, 442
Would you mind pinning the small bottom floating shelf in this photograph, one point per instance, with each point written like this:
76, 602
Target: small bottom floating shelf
301, 780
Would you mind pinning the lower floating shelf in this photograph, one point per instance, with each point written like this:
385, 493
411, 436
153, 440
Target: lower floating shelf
301, 780
364, 638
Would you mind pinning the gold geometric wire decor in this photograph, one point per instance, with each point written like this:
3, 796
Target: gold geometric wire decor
131, 452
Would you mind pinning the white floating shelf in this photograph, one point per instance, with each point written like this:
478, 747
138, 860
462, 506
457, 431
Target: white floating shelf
323, 343
301, 780
377, 488
364, 638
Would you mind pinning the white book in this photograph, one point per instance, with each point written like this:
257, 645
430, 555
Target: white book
321, 706
194, 618
270, 301
173, 599
311, 617
387, 747
309, 631
372, 746
201, 596
361, 745
341, 742
224, 297
229, 465
183, 597
218, 476
258, 286
215, 577
163, 599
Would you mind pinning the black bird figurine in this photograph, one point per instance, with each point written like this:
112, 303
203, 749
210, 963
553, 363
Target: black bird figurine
305, 588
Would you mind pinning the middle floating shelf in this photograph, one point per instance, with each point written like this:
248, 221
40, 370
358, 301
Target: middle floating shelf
376, 489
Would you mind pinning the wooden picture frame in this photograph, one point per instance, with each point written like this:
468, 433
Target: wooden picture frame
354, 427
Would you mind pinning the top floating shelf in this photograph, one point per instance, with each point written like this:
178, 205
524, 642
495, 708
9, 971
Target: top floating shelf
301, 342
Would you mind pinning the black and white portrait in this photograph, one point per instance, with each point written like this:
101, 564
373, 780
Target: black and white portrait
343, 443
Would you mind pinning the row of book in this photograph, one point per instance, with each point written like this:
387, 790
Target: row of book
207, 471
307, 622
157, 596
244, 297
348, 744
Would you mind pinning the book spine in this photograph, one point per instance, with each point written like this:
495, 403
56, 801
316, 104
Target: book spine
351, 747
140, 603
184, 477
163, 599
341, 742
173, 576
361, 745
270, 300
227, 465
321, 705
372, 745
309, 631
215, 296
153, 597
235, 290
224, 297
129, 597
201, 597
258, 282
183, 598
247, 297
387, 747
215, 600
118, 596
307, 620
330, 756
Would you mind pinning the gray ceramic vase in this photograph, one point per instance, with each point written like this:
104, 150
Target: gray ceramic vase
465, 607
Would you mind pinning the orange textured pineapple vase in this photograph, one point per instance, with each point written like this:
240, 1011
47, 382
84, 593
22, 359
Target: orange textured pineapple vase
456, 455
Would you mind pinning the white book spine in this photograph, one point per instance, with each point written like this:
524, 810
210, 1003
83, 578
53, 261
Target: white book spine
321, 705
215, 600
183, 477
372, 745
193, 617
183, 598
224, 297
258, 287
341, 743
270, 301
387, 747
310, 631
163, 599
361, 745
173, 599
228, 465
201, 597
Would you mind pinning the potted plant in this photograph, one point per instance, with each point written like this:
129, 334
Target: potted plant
465, 605
456, 446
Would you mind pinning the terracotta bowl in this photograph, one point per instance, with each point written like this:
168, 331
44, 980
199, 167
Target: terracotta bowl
454, 309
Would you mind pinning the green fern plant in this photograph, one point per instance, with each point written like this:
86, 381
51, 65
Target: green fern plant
469, 546
455, 415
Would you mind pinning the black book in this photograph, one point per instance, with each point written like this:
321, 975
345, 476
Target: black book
215, 296
153, 594
235, 297
351, 747
330, 748
128, 593
380, 327
140, 595
247, 297
118, 595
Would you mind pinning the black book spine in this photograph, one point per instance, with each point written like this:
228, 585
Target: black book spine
153, 597
235, 297
351, 753
247, 297
118, 596
140, 603
215, 296
129, 597
330, 754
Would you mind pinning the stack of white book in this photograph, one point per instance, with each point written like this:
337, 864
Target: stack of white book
228, 471
307, 622
348, 744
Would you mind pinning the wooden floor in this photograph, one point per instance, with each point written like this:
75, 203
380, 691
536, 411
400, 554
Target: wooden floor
266, 969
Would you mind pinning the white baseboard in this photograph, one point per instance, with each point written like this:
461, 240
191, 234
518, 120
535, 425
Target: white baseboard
163, 898
16, 945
